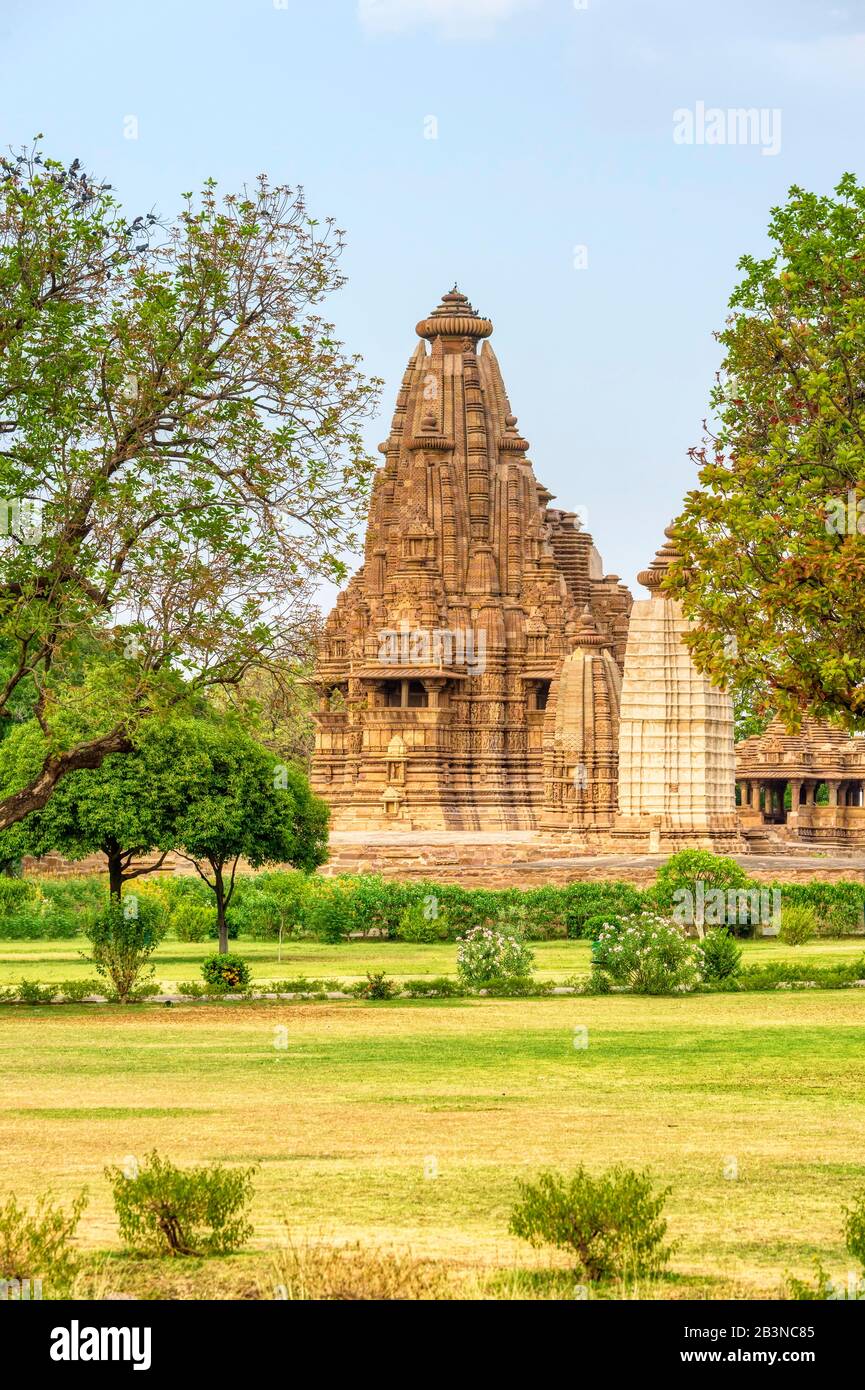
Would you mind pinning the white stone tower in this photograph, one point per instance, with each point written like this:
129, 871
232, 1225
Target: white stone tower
677, 764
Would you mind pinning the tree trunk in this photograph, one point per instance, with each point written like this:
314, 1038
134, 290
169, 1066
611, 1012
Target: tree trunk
113, 852
221, 922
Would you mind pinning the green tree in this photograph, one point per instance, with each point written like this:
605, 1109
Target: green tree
773, 550
126, 808
180, 456
243, 804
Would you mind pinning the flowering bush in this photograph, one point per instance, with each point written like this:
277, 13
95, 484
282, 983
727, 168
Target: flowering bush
487, 956
646, 954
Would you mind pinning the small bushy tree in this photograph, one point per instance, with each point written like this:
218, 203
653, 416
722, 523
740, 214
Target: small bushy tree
37, 1243
243, 804
688, 867
123, 937
164, 1210
611, 1224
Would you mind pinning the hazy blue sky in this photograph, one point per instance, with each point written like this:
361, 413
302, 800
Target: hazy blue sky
555, 130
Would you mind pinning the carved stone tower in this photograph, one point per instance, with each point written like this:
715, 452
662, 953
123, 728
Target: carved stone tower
438, 661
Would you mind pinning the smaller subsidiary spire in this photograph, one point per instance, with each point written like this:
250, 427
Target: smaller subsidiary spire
587, 634
654, 576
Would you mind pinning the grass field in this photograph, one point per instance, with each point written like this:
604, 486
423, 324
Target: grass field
345, 1118
46, 961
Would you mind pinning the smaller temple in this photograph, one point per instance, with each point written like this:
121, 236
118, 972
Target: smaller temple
806, 786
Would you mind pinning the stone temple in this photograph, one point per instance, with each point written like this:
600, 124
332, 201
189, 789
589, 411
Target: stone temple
480, 672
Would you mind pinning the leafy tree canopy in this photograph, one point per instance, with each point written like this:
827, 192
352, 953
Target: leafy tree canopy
180, 455
773, 550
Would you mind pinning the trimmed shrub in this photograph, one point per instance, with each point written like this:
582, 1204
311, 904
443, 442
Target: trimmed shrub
798, 925
191, 921
439, 987
226, 973
37, 1243
611, 1224
646, 954
164, 1210
717, 956
72, 904
122, 939
73, 991
421, 925
486, 956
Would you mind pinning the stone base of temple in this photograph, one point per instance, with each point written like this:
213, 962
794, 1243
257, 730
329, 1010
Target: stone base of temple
722, 834
531, 859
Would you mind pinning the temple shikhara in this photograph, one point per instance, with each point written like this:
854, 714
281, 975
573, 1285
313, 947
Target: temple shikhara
481, 672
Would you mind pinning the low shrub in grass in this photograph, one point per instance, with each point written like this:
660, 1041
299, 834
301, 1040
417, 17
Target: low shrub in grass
718, 956
37, 1242
538, 914
644, 953
31, 992
777, 974
301, 984
226, 973
15, 894
29, 911
122, 938
801, 1291
519, 987
164, 1210
73, 991
375, 986
798, 924
191, 921
259, 914
422, 924
486, 956
328, 912
611, 1224
439, 987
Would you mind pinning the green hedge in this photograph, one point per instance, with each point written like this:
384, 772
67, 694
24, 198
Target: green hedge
289, 903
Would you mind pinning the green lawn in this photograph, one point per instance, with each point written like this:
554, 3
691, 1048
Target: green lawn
47, 961
345, 1118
